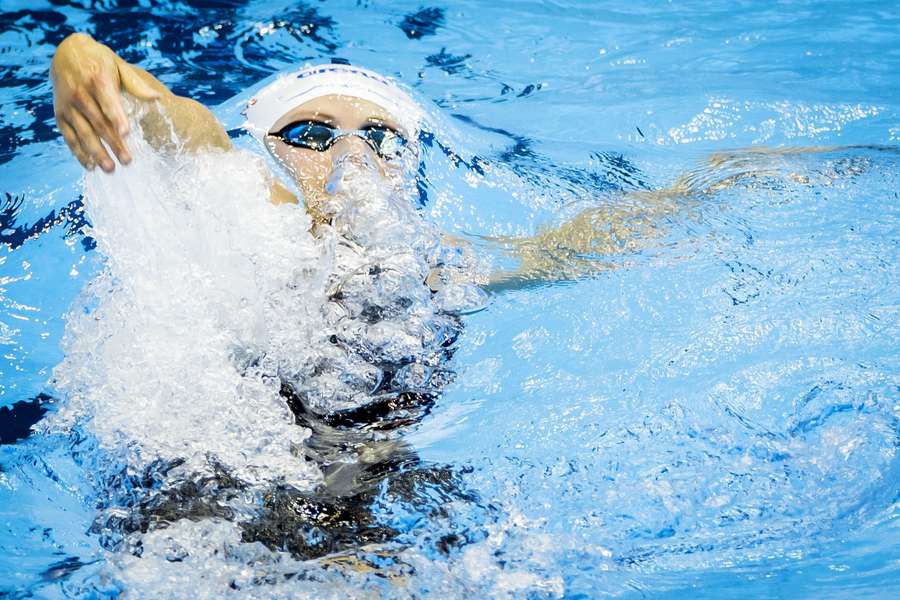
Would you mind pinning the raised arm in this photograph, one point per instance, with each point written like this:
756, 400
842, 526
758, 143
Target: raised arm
88, 82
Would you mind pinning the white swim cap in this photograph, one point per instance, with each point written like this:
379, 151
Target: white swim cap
293, 89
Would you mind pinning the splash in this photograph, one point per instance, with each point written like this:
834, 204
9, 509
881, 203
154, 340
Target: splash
202, 274
388, 333
220, 322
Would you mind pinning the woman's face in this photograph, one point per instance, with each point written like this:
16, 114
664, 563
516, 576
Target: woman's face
311, 169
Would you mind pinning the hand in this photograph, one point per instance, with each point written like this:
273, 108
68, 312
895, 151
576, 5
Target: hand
88, 79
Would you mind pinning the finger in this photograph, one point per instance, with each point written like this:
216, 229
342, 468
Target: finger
90, 142
75, 146
110, 100
135, 85
101, 125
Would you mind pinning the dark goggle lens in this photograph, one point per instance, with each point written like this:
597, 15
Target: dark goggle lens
319, 136
387, 143
314, 136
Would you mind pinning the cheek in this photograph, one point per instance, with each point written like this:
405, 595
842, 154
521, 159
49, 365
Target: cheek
310, 165
309, 168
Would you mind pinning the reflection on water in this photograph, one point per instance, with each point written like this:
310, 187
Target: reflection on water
710, 410
303, 355
692, 470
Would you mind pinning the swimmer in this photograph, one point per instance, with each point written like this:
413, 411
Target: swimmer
311, 121
314, 122
315, 119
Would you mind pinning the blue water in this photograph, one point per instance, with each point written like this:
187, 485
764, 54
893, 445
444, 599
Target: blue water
718, 415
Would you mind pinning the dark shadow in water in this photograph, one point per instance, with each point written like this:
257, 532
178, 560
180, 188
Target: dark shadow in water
611, 172
14, 235
424, 22
235, 55
360, 460
16, 420
38, 27
448, 63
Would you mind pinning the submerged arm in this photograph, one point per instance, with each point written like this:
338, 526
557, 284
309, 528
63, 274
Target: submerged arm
584, 246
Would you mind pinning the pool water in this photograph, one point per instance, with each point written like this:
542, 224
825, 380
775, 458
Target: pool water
713, 412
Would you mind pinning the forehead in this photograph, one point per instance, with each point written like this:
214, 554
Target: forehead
345, 112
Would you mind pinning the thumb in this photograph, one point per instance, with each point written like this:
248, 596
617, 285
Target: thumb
135, 85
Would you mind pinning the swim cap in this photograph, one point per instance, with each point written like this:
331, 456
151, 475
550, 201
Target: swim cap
292, 90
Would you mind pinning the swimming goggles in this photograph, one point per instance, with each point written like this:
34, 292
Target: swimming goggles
319, 136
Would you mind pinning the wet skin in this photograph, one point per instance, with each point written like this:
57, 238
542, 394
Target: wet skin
357, 451
88, 83
311, 169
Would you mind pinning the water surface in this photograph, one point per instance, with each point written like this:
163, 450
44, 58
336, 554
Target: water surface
713, 413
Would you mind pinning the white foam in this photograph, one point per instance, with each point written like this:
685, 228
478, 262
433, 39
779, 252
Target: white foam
211, 298
211, 293
202, 273
209, 559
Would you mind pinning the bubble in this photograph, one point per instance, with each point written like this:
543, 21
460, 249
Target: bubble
211, 304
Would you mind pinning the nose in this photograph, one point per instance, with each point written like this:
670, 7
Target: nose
355, 150
349, 152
